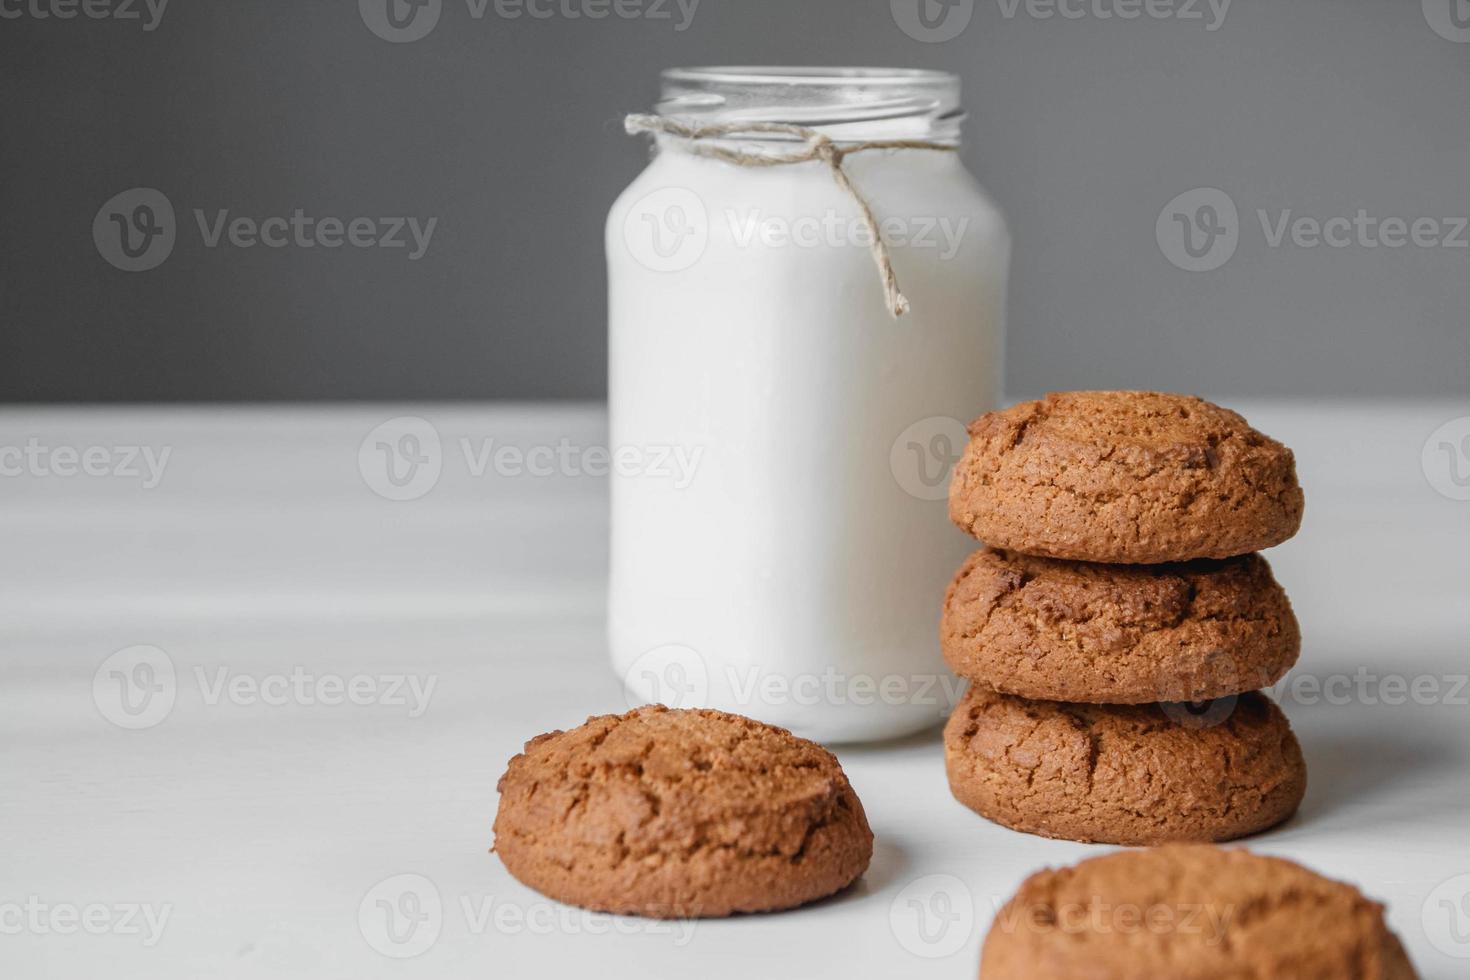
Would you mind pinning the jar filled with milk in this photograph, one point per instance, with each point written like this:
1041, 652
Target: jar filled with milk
806, 296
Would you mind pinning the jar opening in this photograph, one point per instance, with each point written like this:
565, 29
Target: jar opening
847, 104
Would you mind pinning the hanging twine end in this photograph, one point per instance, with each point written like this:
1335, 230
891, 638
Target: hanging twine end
635, 123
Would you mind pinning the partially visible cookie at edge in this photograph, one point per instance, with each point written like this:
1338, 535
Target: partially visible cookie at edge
1127, 477
1125, 774
1118, 634
680, 814
1190, 912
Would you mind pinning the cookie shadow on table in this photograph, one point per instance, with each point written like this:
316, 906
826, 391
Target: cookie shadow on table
890, 864
1347, 769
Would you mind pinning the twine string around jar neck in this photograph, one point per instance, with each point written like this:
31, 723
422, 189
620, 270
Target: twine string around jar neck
705, 141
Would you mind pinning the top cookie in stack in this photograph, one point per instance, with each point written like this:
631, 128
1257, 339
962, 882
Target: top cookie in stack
1117, 616
1128, 477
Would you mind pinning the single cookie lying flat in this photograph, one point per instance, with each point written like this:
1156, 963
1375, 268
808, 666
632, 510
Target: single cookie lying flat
1128, 477
680, 814
1124, 774
1190, 912
1118, 634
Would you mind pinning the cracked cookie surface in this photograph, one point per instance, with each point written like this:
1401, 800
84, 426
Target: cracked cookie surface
1129, 477
1118, 634
1125, 774
1190, 912
680, 813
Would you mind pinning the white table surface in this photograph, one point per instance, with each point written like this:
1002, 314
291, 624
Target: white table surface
262, 830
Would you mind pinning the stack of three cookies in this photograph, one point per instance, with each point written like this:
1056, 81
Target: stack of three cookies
1118, 625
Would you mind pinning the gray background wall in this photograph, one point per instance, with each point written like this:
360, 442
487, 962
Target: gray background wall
507, 131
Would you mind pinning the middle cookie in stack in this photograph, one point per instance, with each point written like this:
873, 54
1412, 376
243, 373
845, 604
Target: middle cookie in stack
1112, 631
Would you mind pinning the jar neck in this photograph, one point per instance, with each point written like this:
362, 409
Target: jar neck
848, 105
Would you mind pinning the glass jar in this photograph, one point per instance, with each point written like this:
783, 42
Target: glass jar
782, 441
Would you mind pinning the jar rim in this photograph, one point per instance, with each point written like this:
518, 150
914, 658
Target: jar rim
811, 75
846, 103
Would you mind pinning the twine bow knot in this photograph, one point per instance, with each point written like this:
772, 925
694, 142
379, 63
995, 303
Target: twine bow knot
815, 146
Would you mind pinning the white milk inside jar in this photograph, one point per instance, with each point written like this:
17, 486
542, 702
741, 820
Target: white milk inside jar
782, 442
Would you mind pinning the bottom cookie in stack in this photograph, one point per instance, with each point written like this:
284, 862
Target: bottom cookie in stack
1125, 774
